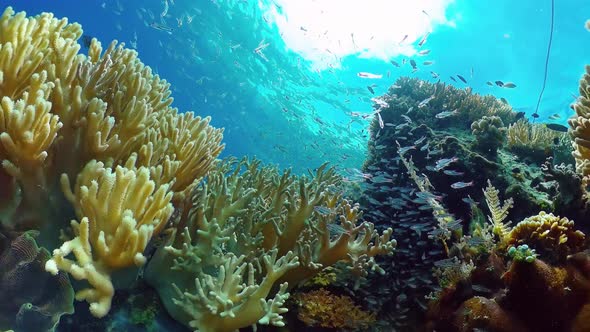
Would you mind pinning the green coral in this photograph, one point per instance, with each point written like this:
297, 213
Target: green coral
522, 253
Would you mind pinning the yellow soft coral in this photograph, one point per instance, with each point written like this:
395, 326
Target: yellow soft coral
105, 120
120, 210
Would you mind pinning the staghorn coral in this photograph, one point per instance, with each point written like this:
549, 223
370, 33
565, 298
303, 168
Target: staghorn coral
249, 229
105, 120
554, 238
321, 308
31, 299
490, 134
580, 126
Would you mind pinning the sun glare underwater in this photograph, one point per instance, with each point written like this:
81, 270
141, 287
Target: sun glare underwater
295, 165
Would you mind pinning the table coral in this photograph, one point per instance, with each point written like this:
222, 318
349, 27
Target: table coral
250, 234
106, 121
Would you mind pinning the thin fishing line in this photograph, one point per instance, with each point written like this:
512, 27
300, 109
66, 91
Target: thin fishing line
547, 57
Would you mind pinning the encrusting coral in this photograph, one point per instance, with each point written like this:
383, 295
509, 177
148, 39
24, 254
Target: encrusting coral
106, 121
251, 233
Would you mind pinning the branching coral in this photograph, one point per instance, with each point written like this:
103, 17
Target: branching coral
554, 238
249, 229
105, 120
320, 308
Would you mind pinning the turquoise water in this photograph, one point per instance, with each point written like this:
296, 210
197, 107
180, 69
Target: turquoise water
293, 106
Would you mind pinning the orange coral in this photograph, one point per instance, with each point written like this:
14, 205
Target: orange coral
554, 238
321, 308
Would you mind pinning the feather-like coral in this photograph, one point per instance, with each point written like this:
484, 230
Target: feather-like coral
499, 211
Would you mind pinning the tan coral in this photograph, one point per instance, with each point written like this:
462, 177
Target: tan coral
554, 238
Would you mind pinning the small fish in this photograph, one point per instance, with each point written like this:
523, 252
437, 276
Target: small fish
499, 83
520, 115
394, 63
434, 74
405, 149
471, 72
452, 173
161, 27
427, 63
413, 64
557, 127
446, 114
461, 185
381, 124
303, 29
535, 115
423, 52
425, 102
369, 75
424, 39
554, 117
509, 85
322, 210
371, 89
442, 163
454, 80
490, 83
403, 39
504, 100
462, 79
420, 140
469, 200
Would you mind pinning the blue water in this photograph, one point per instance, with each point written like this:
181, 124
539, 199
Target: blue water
283, 109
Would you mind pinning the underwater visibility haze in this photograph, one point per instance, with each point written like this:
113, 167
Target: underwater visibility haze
294, 165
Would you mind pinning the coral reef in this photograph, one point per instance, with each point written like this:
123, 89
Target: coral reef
31, 300
249, 235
